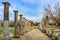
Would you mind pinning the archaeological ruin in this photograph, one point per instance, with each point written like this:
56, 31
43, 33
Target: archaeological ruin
24, 29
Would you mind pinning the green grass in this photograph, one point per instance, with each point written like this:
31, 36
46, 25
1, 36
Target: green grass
11, 29
1, 30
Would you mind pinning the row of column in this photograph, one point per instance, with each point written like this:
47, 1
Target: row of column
6, 20
24, 25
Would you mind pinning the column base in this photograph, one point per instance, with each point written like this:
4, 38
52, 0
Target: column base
8, 39
16, 36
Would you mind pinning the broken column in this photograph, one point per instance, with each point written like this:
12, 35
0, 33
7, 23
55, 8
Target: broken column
16, 33
26, 25
29, 26
21, 24
47, 21
6, 20
46, 24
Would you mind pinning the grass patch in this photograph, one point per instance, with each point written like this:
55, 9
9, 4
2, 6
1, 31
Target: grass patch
11, 29
1, 30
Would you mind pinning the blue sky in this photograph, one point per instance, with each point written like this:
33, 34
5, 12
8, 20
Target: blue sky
30, 9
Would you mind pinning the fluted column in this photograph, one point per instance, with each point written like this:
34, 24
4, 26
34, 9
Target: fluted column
21, 24
47, 21
16, 33
6, 20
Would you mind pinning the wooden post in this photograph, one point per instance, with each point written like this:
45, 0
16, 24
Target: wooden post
6, 20
16, 33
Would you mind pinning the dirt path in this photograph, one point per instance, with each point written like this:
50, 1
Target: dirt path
35, 34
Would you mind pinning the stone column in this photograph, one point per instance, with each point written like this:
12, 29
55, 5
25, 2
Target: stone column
47, 21
21, 18
46, 24
6, 20
16, 34
26, 24
21, 24
24, 27
29, 25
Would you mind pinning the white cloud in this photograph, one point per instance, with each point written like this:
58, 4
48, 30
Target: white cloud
37, 18
1, 7
1, 13
23, 9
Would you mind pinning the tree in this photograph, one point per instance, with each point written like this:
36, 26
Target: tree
37, 23
55, 14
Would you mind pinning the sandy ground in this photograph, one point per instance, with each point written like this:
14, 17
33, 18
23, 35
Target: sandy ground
35, 34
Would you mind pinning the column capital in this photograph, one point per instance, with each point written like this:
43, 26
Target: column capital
6, 10
24, 17
6, 3
46, 17
15, 11
20, 15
